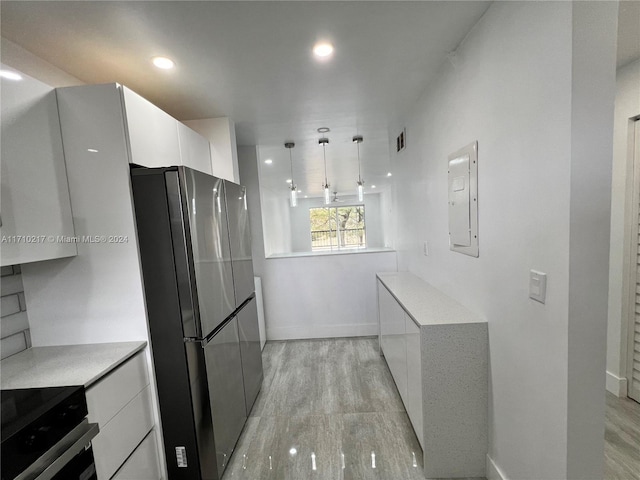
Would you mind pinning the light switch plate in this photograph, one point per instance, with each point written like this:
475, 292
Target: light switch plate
537, 286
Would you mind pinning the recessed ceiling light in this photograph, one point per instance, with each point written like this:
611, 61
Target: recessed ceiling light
389, 174
299, 191
306, 196
324, 130
163, 63
268, 161
9, 75
288, 180
322, 50
92, 150
373, 186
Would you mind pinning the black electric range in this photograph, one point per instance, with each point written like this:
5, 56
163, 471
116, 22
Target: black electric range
46, 435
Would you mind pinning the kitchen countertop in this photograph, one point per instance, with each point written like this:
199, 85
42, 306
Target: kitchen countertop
425, 304
64, 365
325, 253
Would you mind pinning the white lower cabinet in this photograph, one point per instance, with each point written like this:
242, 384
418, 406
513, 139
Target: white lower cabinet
120, 404
437, 352
414, 377
143, 462
392, 339
400, 343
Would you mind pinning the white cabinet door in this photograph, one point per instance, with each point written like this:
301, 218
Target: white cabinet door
414, 377
120, 404
35, 208
122, 434
393, 341
385, 314
194, 149
112, 393
152, 133
143, 464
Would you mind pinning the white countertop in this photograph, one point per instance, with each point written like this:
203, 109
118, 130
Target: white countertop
64, 365
325, 253
424, 303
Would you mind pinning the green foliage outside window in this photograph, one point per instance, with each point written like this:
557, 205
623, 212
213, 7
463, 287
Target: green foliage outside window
336, 228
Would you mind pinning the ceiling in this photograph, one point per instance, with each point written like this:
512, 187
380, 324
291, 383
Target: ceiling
628, 32
252, 62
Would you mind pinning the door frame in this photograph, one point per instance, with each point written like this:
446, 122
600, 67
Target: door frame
631, 250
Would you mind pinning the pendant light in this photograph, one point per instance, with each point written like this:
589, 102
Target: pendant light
327, 193
358, 140
293, 199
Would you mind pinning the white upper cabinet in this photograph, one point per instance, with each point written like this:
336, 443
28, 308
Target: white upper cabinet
194, 149
156, 139
35, 208
152, 133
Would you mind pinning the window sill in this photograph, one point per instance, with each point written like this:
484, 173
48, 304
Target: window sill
355, 251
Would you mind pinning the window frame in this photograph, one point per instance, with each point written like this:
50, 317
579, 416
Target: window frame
338, 247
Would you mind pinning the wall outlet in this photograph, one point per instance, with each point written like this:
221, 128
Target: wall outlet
425, 248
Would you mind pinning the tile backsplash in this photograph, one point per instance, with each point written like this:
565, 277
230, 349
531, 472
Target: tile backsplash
14, 324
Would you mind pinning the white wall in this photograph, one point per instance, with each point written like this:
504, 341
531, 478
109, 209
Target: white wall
301, 224
310, 297
387, 218
36, 67
276, 220
511, 87
323, 296
98, 295
593, 74
248, 170
627, 107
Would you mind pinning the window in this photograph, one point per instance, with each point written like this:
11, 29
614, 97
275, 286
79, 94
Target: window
337, 228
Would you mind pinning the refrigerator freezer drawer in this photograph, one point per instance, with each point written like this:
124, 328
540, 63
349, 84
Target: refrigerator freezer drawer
226, 390
251, 352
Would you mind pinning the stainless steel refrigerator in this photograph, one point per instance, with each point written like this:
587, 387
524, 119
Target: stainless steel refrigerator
195, 249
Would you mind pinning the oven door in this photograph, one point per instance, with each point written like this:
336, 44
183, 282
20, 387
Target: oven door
69, 459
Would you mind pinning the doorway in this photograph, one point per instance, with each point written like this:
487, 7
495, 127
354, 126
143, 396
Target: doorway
633, 276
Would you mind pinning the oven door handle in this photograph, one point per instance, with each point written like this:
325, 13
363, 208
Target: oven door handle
54, 459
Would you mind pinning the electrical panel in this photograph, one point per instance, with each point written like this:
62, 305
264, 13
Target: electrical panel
463, 200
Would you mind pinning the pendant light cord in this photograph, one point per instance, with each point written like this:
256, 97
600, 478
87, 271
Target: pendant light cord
359, 176
324, 156
291, 163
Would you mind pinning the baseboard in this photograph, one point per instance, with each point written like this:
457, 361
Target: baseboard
616, 385
321, 331
493, 472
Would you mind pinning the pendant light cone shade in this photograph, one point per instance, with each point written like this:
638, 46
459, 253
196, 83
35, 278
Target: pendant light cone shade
327, 192
293, 199
358, 140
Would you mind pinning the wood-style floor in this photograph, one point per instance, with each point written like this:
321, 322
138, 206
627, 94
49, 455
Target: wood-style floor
329, 409
622, 439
